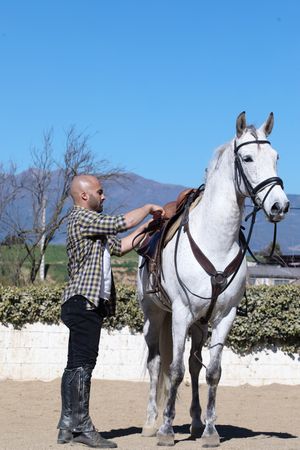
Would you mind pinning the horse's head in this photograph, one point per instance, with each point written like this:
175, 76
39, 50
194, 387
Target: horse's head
255, 168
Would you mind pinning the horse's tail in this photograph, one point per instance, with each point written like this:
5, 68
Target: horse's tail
166, 356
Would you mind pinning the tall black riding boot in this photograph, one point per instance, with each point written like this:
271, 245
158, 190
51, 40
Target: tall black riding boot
65, 422
83, 429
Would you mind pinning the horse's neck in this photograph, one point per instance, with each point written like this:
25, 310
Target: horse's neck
217, 218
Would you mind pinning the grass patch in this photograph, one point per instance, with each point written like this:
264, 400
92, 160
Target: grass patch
56, 262
129, 261
56, 254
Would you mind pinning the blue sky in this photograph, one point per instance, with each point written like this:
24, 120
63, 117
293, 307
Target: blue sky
156, 84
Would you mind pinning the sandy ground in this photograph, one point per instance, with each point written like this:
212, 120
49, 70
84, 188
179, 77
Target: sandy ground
257, 418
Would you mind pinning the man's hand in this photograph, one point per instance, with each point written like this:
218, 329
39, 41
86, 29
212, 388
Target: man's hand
134, 218
155, 209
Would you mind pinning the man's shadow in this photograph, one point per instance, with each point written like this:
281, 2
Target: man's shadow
226, 433
120, 432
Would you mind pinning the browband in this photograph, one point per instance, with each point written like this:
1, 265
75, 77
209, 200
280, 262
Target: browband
236, 148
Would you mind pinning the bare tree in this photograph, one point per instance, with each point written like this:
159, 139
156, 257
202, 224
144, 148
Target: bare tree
9, 187
47, 185
9, 190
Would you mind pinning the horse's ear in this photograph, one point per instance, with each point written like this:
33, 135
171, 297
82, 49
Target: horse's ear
267, 127
241, 124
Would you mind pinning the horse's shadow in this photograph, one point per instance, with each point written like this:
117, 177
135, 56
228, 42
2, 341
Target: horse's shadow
226, 433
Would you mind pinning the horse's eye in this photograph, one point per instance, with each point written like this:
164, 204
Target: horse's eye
248, 159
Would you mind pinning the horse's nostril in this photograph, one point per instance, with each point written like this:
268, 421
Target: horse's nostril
275, 208
286, 208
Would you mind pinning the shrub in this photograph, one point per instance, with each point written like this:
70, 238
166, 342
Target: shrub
129, 312
273, 320
19, 306
273, 314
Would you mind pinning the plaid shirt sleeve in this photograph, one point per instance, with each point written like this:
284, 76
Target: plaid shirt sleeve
114, 245
94, 224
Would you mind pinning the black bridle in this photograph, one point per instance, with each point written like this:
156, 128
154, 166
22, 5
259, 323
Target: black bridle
240, 174
253, 191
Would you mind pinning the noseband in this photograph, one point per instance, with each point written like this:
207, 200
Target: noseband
240, 174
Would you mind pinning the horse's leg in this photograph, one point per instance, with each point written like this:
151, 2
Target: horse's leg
179, 331
199, 336
154, 318
210, 436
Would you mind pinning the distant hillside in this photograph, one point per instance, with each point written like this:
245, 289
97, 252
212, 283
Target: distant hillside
130, 191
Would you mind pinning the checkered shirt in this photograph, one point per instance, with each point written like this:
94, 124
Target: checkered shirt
87, 234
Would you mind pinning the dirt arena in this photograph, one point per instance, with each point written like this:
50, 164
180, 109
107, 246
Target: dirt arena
249, 417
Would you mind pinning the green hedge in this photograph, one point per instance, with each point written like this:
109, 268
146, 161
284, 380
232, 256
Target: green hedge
273, 320
273, 314
20, 306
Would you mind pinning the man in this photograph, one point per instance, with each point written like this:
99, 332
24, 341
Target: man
89, 297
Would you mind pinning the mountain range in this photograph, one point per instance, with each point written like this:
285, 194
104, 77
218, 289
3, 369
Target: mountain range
129, 191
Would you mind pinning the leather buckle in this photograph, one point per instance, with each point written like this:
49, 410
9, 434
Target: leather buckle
219, 279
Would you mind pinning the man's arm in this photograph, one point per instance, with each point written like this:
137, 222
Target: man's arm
132, 219
128, 241
94, 224
136, 216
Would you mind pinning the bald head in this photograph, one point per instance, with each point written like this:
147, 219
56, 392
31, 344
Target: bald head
86, 191
81, 183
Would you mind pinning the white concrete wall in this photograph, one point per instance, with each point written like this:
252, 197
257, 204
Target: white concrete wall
38, 352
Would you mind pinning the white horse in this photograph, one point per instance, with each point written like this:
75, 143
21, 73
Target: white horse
244, 167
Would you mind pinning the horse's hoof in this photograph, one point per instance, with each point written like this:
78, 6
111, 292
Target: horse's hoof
165, 440
209, 441
196, 431
148, 431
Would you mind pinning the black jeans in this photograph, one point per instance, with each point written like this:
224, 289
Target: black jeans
85, 328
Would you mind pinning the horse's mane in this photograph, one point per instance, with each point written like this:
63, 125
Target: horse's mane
214, 163
219, 152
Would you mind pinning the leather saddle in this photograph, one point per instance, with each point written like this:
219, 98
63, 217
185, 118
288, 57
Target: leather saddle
162, 229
